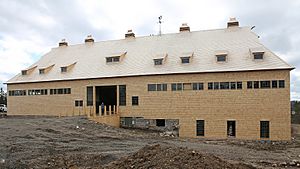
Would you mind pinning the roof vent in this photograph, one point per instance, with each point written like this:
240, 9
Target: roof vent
232, 23
63, 43
129, 34
184, 28
89, 38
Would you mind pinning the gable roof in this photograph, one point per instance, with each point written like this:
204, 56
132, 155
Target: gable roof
90, 58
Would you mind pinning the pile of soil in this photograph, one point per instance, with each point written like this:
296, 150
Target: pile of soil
157, 156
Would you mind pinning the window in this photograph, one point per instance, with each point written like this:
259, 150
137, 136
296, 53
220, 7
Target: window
231, 128
33, 92
197, 86
274, 83
249, 85
160, 122
185, 60
63, 69
17, 93
224, 85
122, 95
232, 85
200, 128
60, 91
89, 96
258, 56
264, 129
42, 71
113, 59
281, 83
256, 84
176, 86
221, 58
265, 84
210, 86
216, 85
158, 61
157, 87
78, 103
239, 85
135, 100
24, 72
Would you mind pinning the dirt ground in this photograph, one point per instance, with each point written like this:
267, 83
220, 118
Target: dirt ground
75, 142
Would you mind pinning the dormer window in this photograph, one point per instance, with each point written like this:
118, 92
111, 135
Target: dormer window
221, 55
63, 69
185, 60
24, 72
257, 53
42, 71
158, 61
221, 58
113, 59
258, 56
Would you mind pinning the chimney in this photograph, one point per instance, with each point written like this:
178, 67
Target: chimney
184, 28
232, 23
63, 43
89, 38
129, 34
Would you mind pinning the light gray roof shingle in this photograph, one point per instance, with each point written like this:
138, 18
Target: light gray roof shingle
90, 58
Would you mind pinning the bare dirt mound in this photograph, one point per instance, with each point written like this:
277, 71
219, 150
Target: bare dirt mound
157, 156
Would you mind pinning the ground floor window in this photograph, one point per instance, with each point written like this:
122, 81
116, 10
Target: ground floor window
135, 100
160, 122
200, 127
264, 129
78, 103
231, 128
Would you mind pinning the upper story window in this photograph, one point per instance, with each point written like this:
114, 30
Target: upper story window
257, 53
221, 58
185, 60
24, 72
113, 59
64, 69
28, 71
158, 61
42, 71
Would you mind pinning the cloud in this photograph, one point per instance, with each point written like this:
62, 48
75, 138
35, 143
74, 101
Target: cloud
28, 29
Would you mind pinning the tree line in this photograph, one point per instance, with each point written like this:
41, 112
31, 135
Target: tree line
3, 97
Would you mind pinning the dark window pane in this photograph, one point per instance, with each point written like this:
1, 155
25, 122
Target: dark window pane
116, 59
258, 55
173, 86
210, 86
265, 84
179, 86
200, 86
60, 91
264, 129
249, 85
80, 103
51, 91
159, 87
281, 83
160, 122
216, 85
274, 83
200, 128
239, 85
232, 85
89, 96
158, 61
185, 60
135, 100
122, 95
165, 87
221, 58
76, 103
63, 69
224, 85
256, 84
109, 59
151, 87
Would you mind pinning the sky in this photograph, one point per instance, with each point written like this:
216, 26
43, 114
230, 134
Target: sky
29, 29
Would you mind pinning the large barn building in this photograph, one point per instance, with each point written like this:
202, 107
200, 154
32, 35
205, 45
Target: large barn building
213, 84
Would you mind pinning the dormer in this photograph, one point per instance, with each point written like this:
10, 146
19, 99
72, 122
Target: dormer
89, 39
186, 57
63, 42
232, 23
67, 68
129, 34
45, 69
160, 59
257, 53
221, 56
184, 28
117, 57
27, 71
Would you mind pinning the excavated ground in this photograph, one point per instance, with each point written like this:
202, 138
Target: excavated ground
75, 142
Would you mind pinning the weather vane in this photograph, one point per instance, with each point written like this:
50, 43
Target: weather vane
159, 21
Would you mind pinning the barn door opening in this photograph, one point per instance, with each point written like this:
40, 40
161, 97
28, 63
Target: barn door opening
231, 128
106, 95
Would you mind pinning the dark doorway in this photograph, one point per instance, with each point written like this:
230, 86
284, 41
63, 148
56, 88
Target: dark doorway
231, 128
107, 95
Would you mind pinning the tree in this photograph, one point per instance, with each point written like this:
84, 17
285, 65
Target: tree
3, 97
